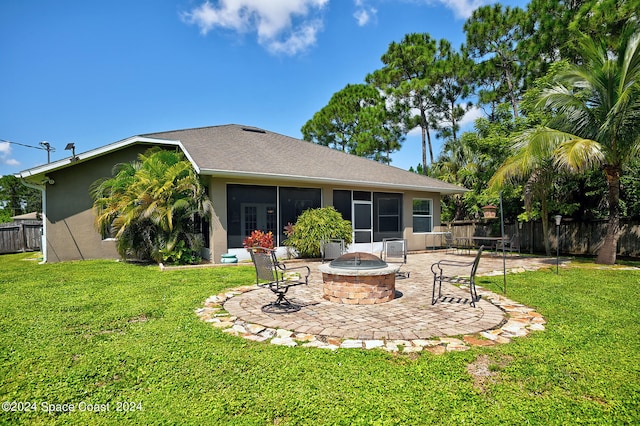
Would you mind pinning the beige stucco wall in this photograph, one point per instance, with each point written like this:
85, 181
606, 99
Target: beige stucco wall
218, 195
218, 236
71, 234
420, 241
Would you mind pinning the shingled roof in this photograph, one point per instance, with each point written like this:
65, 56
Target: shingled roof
244, 151
248, 152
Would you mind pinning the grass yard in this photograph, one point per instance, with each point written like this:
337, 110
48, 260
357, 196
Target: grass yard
93, 333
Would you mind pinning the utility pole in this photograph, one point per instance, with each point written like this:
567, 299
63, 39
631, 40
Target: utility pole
45, 146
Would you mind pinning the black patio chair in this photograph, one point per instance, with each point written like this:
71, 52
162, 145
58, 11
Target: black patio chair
278, 278
394, 250
441, 273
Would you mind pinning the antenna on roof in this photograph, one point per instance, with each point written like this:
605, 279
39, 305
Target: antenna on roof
71, 147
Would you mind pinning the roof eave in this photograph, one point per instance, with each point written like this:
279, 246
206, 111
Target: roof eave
330, 181
40, 171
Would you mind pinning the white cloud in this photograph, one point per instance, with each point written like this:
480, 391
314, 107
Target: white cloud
466, 123
290, 26
462, 9
362, 17
5, 155
298, 40
471, 116
364, 13
5, 148
282, 26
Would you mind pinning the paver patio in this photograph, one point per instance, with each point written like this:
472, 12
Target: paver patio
409, 317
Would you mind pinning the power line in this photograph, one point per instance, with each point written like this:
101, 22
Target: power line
45, 146
28, 146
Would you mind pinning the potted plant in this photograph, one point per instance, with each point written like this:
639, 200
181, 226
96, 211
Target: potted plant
489, 211
259, 239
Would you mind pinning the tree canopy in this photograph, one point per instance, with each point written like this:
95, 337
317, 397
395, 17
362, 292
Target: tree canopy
593, 121
407, 78
356, 120
564, 71
17, 198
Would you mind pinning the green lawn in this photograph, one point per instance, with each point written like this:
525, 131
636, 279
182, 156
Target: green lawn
104, 332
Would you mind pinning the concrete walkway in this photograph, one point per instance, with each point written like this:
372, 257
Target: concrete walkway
407, 319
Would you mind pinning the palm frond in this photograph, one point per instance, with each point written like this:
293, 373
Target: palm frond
579, 154
149, 203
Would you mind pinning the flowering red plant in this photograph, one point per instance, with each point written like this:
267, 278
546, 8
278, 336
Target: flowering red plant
259, 239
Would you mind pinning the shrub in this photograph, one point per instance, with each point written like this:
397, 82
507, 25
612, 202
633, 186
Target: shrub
150, 206
259, 239
315, 225
183, 252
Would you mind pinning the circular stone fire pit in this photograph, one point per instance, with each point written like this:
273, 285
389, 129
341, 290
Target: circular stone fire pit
359, 279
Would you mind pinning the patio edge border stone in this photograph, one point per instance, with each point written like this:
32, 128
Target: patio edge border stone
520, 322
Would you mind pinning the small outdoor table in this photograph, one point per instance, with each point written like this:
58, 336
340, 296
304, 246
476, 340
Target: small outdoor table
441, 233
492, 240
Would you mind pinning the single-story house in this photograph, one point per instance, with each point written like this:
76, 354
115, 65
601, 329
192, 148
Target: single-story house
256, 179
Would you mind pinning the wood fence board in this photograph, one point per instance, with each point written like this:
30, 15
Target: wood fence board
17, 237
576, 237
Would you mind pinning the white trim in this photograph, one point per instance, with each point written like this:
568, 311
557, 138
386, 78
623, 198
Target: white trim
218, 173
43, 242
69, 161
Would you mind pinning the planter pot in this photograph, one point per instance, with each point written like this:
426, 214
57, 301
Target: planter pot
489, 212
229, 258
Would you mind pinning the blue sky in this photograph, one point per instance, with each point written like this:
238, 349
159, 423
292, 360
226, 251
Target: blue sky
95, 72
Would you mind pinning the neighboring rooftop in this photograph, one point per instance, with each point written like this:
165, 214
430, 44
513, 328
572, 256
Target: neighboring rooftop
27, 216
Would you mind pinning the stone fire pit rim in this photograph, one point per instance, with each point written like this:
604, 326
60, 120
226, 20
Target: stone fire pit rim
325, 268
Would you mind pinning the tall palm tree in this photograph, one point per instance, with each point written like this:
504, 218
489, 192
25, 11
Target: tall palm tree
532, 161
458, 164
595, 119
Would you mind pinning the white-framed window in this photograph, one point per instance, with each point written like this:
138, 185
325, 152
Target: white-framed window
422, 215
387, 210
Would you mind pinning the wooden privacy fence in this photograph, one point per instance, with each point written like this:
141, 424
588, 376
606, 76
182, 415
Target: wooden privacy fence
20, 236
576, 237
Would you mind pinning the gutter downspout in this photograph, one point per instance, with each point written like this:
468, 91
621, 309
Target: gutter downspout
43, 243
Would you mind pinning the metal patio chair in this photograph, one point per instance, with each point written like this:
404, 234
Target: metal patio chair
394, 250
278, 278
442, 272
513, 244
450, 243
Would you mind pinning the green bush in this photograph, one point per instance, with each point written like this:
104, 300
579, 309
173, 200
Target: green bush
315, 225
149, 206
183, 252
